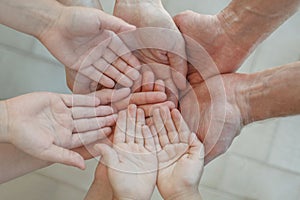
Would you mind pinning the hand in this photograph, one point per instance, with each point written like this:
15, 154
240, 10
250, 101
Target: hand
132, 157
120, 99
210, 32
50, 124
217, 119
83, 39
180, 155
148, 84
152, 14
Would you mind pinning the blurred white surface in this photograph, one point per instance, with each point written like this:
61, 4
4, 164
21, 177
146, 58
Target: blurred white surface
262, 164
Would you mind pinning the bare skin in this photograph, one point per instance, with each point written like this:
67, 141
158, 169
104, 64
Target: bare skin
229, 102
231, 35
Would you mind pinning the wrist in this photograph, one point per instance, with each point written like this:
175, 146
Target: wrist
49, 19
4, 135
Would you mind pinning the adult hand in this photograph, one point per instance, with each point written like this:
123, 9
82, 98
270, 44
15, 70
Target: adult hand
84, 40
180, 155
210, 32
132, 157
164, 34
217, 107
50, 124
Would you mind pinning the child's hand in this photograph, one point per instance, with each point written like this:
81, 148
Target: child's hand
181, 157
47, 125
132, 161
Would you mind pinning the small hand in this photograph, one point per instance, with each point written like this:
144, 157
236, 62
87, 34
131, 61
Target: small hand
46, 125
180, 155
132, 157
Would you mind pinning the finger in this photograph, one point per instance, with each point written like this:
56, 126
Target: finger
120, 129
58, 154
109, 155
141, 98
97, 76
111, 72
110, 56
181, 126
80, 139
149, 121
119, 48
179, 71
109, 22
149, 141
148, 109
131, 123
140, 122
169, 125
129, 71
79, 100
159, 86
109, 95
155, 138
160, 128
148, 81
84, 125
88, 112
137, 85
147, 98
196, 149
171, 91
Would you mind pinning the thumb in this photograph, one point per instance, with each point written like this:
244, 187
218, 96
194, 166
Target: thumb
179, 71
196, 150
64, 156
112, 23
109, 155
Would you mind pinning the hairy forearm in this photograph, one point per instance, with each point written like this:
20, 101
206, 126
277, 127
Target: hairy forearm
15, 163
29, 16
250, 22
85, 3
272, 93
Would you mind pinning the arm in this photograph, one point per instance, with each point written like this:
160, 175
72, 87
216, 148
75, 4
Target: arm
271, 93
250, 22
230, 36
30, 16
15, 163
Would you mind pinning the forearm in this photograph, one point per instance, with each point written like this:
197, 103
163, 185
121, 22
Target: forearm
29, 16
99, 190
85, 3
15, 163
272, 93
250, 22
